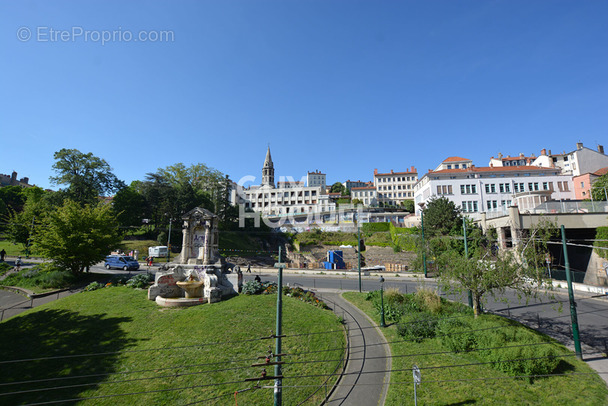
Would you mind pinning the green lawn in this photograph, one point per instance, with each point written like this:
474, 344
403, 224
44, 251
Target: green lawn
178, 356
478, 384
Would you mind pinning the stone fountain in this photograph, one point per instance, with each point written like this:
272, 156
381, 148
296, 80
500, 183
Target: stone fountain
201, 275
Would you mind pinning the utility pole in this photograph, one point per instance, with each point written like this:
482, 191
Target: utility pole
359, 254
466, 254
278, 383
573, 316
169, 241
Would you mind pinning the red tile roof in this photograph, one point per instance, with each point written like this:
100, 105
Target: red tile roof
455, 159
482, 169
601, 172
363, 188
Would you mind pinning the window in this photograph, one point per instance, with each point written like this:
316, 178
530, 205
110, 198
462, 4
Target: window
519, 187
532, 186
468, 189
505, 188
490, 188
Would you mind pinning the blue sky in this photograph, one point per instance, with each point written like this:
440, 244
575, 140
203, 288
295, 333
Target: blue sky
339, 86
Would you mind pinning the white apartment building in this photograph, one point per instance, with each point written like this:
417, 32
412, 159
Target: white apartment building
493, 189
580, 161
395, 187
367, 194
287, 197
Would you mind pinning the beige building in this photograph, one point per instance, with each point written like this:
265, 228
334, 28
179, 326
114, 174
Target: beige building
393, 188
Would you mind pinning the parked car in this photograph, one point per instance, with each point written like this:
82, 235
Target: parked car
123, 262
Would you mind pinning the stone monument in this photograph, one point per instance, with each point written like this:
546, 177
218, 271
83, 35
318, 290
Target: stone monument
199, 265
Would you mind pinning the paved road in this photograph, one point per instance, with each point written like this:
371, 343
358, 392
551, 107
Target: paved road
367, 352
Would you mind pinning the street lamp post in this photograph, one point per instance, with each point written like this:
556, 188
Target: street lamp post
423, 243
382, 322
169, 241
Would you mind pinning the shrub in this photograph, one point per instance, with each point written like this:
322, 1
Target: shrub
418, 327
140, 281
252, 288
428, 300
455, 335
93, 286
4, 268
375, 227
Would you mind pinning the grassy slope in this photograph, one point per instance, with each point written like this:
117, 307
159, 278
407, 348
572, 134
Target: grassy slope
122, 319
562, 390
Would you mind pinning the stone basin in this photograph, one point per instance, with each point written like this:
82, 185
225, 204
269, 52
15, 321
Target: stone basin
192, 288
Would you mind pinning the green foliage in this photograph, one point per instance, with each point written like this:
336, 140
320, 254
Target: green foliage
599, 187
252, 288
375, 227
86, 176
4, 268
317, 237
77, 237
140, 281
404, 239
455, 335
129, 207
93, 286
338, 188
441, 217
408, 205
44, 276
601, 241
418, 327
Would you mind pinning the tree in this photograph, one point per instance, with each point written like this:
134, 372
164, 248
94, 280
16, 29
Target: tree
86, 175
76, 237
442, 217
484, 272
599, 188
129, 207
337, 188
408, 205
21, 224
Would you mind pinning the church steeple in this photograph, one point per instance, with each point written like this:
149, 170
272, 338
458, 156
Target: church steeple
268, 170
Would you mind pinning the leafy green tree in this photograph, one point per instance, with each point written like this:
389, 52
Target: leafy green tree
599, 188
408, 205
129, 207
442, 217
21, 224
87, 177
14, 197
76, 237
337, 188
484, 272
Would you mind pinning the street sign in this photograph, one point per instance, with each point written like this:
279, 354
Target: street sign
280, 265
417, 376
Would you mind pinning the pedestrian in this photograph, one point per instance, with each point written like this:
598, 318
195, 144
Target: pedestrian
257, 278
249, 268
18, 263
2, 255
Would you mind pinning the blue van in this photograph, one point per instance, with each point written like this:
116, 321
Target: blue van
124, 262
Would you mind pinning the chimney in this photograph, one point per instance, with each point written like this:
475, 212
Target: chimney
600, 149
521, 154
549, 152
579, 145
414, 168
14, 176
375, 171
499, 155
543, 152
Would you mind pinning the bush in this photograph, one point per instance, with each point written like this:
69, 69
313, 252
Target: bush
375, 227
93, 286
140, 281
428, 300
418, 327
44, 276
4, 268
454, 334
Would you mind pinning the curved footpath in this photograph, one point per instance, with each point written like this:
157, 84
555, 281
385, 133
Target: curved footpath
365, 380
